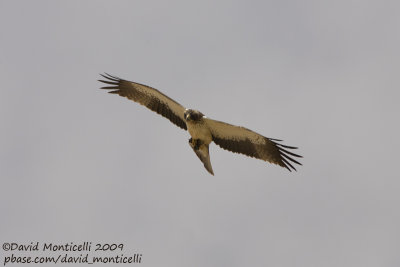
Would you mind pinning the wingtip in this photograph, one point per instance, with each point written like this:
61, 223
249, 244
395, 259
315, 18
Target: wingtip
110, 77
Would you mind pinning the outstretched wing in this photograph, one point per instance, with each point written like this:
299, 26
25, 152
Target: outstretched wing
147, 96
242, 140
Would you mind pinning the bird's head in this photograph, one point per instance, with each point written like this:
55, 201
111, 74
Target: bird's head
192, 115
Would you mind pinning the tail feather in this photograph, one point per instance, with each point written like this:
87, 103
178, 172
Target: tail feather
203, 153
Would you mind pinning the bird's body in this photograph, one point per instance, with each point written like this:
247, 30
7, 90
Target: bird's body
201, 136
199, 130
204, 130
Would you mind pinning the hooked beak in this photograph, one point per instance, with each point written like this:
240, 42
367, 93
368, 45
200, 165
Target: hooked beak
187, 116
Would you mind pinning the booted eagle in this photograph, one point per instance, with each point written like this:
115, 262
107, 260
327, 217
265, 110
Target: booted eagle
203, 130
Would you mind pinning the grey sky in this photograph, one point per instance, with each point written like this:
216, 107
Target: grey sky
77, 164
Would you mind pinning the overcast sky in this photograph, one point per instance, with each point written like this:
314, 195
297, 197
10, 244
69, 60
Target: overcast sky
78, 164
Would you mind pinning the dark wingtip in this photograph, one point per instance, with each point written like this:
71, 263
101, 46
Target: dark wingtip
288, 165
110, 77
286, 156
104, 76
289, 147
109, 87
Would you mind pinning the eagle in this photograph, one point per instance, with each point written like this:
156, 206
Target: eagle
202, 129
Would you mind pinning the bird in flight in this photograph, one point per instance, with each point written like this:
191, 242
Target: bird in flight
202, 129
